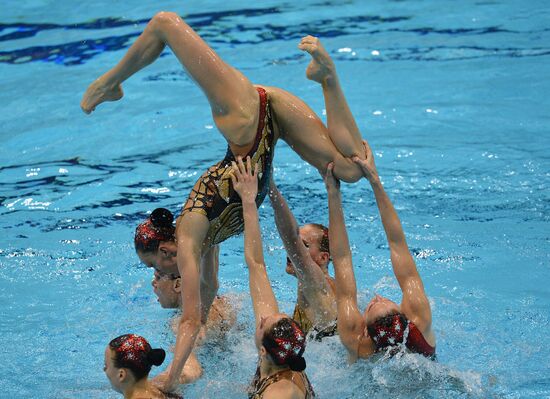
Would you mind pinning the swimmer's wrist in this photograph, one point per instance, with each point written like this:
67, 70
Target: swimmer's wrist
171, 382
249, 202
375, 182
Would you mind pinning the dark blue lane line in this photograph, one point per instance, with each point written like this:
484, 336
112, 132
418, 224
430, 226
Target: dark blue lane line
69, 53
115, 166
84, 173
75, 53
404, 54
215, 29
25, 30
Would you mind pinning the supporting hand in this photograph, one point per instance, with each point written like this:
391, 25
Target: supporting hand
245, 180
331, 182
367, 166
161, 381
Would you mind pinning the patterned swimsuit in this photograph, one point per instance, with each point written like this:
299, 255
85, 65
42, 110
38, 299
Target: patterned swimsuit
299, 378
213, 194
307, 326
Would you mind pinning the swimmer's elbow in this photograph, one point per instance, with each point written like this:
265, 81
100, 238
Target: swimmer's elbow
191, 372
192, 376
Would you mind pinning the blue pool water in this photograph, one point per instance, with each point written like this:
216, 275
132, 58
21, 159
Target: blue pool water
453, 97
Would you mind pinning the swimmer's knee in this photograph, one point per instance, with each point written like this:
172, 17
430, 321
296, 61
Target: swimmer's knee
164, 18
354, 177
349, 174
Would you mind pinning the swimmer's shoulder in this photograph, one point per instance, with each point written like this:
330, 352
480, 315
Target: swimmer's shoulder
283, 389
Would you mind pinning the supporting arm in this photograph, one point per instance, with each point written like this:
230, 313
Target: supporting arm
351, 324
245, 183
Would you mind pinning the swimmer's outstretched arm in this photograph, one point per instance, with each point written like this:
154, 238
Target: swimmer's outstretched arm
415, 304
191, 231
245, 183
191, 372
340, 122
316, 289
351, 324
210, 264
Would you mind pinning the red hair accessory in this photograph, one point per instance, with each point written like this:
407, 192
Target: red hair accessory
289, 342
131, 349
155, 229
388, 331
145, 232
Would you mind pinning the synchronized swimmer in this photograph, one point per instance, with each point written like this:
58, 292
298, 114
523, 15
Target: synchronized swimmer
224, 202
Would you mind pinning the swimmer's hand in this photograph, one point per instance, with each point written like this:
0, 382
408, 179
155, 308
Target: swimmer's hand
245, 180
191, 372
321, 68
331, 183
161, 381
367, 165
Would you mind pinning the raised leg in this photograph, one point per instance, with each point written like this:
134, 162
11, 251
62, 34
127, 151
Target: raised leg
341, 124
302, 129
233, 99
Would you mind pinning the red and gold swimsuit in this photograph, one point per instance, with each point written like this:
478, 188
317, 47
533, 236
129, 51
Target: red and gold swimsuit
213, 194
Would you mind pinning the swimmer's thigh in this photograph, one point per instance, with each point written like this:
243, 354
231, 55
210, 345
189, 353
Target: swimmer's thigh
304, 131
232, 97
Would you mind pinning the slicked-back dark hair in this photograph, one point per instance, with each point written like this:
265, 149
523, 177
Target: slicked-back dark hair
157, 228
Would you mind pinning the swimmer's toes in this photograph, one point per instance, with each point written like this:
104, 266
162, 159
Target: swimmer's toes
86, 107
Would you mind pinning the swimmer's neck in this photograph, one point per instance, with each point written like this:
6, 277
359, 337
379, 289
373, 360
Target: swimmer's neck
141, 389
268, 368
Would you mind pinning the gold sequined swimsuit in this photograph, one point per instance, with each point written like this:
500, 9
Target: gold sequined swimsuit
213, 194
298, 378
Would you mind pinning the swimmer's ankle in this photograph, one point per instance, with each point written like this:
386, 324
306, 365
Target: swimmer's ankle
331, 80
108, 81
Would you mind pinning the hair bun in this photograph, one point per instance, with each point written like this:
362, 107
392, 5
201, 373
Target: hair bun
156, 356
162, 217
297, 363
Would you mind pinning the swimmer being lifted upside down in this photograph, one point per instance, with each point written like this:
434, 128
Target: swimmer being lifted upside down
251, 118
384, 323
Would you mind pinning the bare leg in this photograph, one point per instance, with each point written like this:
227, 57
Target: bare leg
342, 128
233, 99
302, 129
